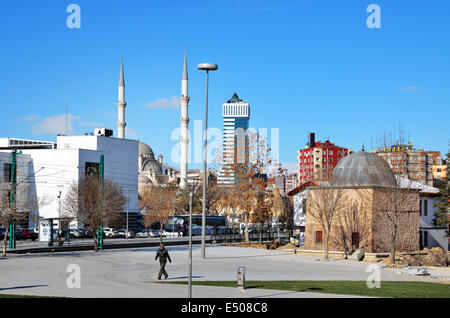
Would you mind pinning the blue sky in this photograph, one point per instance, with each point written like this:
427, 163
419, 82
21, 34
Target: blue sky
310, 65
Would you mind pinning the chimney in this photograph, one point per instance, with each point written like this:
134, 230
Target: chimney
312, 139
160, 159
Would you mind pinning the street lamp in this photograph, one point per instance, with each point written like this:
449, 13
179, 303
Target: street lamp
205, 67
191, 199
128, 200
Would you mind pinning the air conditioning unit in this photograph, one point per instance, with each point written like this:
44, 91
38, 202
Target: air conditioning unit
103, 132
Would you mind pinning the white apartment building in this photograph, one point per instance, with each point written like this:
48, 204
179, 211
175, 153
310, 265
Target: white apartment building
53, 171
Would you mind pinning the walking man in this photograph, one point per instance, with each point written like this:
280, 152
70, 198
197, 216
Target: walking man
163, 255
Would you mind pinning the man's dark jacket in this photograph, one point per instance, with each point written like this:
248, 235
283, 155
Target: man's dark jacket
163, 256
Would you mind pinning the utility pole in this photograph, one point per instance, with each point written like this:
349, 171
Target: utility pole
205, 67
191, 199
12, 199
128, 200
100, 226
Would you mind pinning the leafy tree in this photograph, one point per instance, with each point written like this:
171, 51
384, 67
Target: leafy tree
160, 202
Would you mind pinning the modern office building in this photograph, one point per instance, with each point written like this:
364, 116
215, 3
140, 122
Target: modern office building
236, 116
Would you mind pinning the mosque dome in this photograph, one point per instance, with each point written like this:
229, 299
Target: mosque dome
152, 165
144, 180
364, 169
145, 150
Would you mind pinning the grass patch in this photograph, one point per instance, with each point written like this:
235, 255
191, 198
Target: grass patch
388, 288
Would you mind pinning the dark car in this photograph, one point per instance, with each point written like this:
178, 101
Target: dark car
90, 234
2, 233
21, 234
29, 234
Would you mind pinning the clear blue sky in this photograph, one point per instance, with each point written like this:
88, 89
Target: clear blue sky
309, 65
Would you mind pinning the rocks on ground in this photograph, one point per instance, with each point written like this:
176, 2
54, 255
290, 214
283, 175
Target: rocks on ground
436, 256
274, 245
287, 246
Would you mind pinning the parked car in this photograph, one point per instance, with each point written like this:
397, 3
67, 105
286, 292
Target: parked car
110, 232
171, 233
2, 233
21, 234
33, 230
29, 234
90, 234
123, 233
76, 233
148, 233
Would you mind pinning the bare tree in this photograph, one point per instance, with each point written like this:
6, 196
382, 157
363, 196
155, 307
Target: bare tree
262, 211
323, 204
282, 209
390, 138
391, 207
442, 215
250, 173
93, 204
229, 204
161, 203
16, 210
353, 225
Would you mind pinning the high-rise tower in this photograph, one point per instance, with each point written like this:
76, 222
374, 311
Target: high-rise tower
184, 121
236, 115
121, 105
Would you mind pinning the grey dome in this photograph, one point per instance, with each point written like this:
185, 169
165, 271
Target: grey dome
364, 169
152, 165
145, 149
143, 179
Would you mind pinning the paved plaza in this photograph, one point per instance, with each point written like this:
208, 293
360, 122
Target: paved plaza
133, 272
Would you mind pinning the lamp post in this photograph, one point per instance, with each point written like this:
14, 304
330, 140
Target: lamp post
205, 67
191, 199
128, 200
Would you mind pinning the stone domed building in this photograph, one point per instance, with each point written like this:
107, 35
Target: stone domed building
364, 169
366, 180
153, 172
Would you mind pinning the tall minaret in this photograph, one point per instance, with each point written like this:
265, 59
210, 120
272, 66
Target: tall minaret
121, 106
184, 120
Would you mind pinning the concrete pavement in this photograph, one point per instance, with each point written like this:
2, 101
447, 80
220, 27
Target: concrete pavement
132, 272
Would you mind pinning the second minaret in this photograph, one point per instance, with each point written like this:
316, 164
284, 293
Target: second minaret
121, 105
184, 120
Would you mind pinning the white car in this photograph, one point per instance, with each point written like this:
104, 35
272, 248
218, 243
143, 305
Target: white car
109, 232
171, 233
148, 233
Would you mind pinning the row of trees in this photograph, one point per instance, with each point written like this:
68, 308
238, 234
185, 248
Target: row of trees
252, 197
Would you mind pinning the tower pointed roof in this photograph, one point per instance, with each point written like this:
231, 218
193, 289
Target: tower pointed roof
121, 81
185, 72
234, 99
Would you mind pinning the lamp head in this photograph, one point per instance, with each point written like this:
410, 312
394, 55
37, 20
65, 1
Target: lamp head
207, 67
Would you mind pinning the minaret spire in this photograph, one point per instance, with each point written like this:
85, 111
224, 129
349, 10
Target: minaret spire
185, 72
121, 104
184, 121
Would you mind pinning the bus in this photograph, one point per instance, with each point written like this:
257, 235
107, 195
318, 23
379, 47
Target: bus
180, 223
